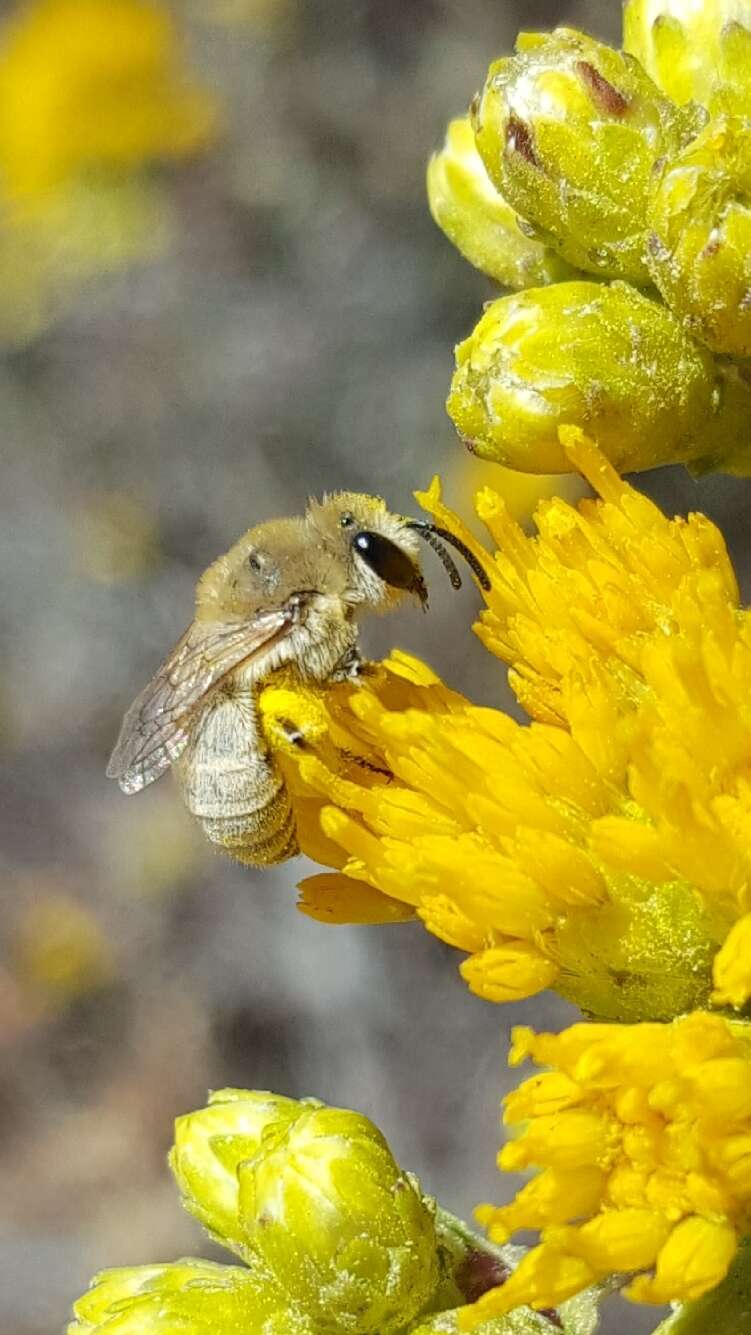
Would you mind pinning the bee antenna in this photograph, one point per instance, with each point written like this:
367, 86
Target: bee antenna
433, 534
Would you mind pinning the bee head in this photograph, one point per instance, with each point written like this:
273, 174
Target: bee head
380, 551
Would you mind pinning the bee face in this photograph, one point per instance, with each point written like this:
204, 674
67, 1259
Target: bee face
376, 548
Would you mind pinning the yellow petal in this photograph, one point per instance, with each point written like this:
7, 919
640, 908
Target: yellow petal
732, 966
592, 464
696, 1256
413, 670
576, 1138
553, 1196
621, 1240
313, 842
723, 1089
443, 917
509, 972
334, 898
550, 1092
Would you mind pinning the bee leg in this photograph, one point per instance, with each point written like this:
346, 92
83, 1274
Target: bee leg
351, 666
365, 764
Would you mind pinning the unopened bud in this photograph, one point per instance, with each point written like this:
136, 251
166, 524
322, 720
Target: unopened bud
698, 51
699, 240
348, 1235
479, 222
521, 1322
601, 357
191, 1296
569, 131
209, 1146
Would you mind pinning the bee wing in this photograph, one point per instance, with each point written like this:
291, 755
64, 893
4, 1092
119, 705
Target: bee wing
155, 729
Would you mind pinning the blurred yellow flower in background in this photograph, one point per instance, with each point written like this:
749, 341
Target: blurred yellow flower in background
114, 537
93, 95
92, 86
521, 492
602, 850
60, 950
641, 1135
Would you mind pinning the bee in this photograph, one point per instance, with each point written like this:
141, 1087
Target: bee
290, 592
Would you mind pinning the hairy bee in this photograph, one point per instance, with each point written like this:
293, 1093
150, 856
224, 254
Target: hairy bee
291, 591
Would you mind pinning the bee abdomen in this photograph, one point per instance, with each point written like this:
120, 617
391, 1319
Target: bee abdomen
257, 838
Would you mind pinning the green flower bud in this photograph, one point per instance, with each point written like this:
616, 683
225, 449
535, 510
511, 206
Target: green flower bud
699, 243
479, 222
601, 357
347, 1234
569, 131
578, 1316
521, 1322
694, 51
192, 1297
209, 1146
732, 95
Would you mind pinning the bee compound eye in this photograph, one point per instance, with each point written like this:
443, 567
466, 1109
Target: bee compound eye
386, 560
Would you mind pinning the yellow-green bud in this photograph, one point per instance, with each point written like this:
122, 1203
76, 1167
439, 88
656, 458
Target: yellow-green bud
479, 222
601, 357
348, 1234
696, 50
699, 240
569, 131
521, 1322
578, 1316
209, 1146
191, 1296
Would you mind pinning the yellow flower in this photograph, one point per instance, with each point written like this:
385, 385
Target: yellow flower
641, 1135
91, 86
605, 848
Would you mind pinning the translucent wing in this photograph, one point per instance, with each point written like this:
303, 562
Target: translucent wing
155, 729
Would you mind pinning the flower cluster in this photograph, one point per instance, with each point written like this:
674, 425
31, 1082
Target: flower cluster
585, 184
602, 850
642, 1137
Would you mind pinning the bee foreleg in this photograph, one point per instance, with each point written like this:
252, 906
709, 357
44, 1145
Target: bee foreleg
351, 666
364, 763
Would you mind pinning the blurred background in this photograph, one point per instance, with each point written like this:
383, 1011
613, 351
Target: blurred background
241, 302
